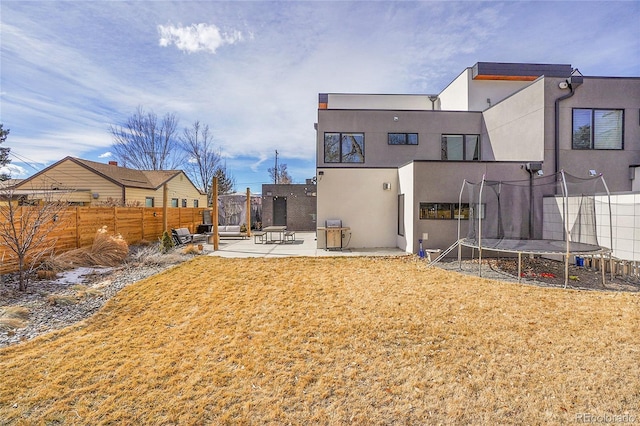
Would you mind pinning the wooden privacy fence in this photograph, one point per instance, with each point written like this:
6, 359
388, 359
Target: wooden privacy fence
77, 226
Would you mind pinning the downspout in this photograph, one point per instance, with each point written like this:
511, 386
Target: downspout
572, 82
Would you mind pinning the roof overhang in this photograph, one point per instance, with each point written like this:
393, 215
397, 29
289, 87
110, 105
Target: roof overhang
517, 71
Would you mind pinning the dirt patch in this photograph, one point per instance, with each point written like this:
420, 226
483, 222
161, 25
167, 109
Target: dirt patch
551, 272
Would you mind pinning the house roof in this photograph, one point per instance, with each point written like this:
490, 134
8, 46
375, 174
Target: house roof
5, 184
125, 177
148, 179
518, 71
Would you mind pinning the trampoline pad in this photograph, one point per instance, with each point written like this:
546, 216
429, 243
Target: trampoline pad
531, 246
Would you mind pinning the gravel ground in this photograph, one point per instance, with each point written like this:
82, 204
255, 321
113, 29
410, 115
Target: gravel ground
543, 272
104, 283
45, 315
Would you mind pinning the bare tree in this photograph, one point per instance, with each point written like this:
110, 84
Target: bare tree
143, 143
26, 226
203, 160
280, 175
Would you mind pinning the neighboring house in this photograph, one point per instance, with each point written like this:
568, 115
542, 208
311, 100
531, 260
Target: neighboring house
293, 205
232, 209
386, 163
85, 183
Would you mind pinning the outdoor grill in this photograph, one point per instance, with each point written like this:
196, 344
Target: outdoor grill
333, 234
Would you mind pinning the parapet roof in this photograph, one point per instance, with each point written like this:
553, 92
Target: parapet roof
518, 71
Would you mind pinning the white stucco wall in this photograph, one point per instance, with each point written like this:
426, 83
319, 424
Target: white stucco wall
357, 197
406, 187
494, 90
455, 96
515, 126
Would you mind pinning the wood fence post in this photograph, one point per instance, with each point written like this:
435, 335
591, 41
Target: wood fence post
77, 227
165, 199
248, 215
214, 215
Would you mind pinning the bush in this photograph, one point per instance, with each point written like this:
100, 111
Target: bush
166, 242
191, 249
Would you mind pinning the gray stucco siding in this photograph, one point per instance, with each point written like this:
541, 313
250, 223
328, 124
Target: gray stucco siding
376, 125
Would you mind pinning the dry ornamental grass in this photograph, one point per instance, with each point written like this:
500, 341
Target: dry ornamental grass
330, 341
106, 250
13, 317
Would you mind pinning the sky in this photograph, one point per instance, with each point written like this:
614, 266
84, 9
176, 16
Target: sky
252, 70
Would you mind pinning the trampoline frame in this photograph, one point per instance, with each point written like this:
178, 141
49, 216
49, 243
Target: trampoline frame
567, 252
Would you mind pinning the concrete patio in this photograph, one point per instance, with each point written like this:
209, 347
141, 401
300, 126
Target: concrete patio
305, 244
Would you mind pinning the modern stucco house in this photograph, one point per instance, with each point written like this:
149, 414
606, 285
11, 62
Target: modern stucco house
386, 163
83, 182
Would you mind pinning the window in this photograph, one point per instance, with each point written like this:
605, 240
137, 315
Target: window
403, 139
444, 211
401, 215
174, 202
344, 147
149, 202
184, 202
461, 147
597, 128
195, 203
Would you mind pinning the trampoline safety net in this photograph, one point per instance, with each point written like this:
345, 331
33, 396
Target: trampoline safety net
543, 214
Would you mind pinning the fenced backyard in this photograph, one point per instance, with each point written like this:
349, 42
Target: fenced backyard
77, 226
335, 340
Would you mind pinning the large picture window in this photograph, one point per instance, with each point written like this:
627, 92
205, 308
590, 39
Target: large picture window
597, 128
461, 147
344, 147
444, 211
403, 139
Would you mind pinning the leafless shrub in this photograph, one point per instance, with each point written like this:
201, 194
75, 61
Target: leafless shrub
26, 224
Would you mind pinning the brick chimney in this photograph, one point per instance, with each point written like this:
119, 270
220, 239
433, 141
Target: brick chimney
113, 163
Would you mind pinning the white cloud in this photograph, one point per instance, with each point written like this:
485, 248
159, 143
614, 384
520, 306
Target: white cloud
14, 171
70, 69
107, 154
197, 37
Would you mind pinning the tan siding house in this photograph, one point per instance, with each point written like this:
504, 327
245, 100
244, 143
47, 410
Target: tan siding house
84, 182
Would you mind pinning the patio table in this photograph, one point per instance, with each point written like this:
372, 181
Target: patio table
278, 230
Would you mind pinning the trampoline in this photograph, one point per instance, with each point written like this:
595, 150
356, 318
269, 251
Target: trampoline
554, 215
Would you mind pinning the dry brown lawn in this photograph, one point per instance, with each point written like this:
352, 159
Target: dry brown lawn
331, 341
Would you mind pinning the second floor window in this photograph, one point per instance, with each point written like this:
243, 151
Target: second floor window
344, 147
149, 202
461, 147
403, 139
174, 202
597, 128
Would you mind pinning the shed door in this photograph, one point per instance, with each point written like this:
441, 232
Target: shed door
280, 211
